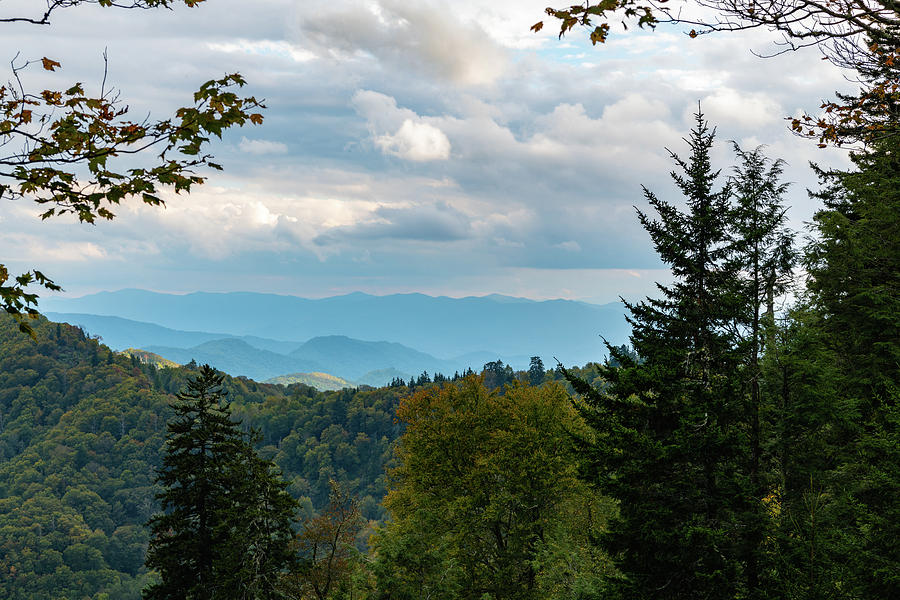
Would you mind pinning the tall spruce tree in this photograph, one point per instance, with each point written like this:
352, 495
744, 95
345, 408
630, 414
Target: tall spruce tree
854, 287
764, 256
669, 440
225, 530
809, 422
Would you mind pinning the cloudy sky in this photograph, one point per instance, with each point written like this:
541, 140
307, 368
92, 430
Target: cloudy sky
409, 146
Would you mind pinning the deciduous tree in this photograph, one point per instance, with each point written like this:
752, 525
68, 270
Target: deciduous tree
326, 547
478, 493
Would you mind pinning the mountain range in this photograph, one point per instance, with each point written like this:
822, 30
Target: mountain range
264, 335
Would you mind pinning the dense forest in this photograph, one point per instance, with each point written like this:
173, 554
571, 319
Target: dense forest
82, 435
744, 446
82, 432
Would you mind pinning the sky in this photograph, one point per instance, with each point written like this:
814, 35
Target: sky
422, 146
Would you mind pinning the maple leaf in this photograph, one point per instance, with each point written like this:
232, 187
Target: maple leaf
49, 64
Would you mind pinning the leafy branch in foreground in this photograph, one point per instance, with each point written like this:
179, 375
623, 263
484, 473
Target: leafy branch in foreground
42, 16
59, 133
830, 24
16, 301
76, 153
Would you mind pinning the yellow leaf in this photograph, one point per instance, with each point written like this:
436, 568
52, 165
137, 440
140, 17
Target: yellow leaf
51, 97
49, 64
256, 119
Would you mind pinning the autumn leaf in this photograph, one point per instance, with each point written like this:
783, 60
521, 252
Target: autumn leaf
537, 26
256, 119
51, 97
49, 64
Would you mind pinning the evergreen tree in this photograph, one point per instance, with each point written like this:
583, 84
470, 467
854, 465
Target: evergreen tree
764, 256
854, 287
497, 374
669, 442
536, 371
854, 268
810, 422
225, 529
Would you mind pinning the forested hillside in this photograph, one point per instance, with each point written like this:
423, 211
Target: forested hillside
82, 432
744, 446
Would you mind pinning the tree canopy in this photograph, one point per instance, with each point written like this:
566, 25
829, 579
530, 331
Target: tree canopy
226, 518
484, 499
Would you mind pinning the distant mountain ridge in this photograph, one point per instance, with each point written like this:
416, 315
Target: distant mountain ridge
440, 326
237, 357
119, 333
352, 360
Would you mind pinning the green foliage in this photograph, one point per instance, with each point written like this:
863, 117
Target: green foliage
854, 297
82, 432
226, 523
479, 496
670, 427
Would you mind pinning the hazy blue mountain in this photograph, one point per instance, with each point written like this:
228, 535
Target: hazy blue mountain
119, 333
237, 357
354, 358
441, 326
371, 363
279, 346
357, 361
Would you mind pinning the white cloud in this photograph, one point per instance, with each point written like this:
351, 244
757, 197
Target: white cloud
751, 110
19, 247
424, 35
260, 147
380, 110
416, 141
400, 131
278, 48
